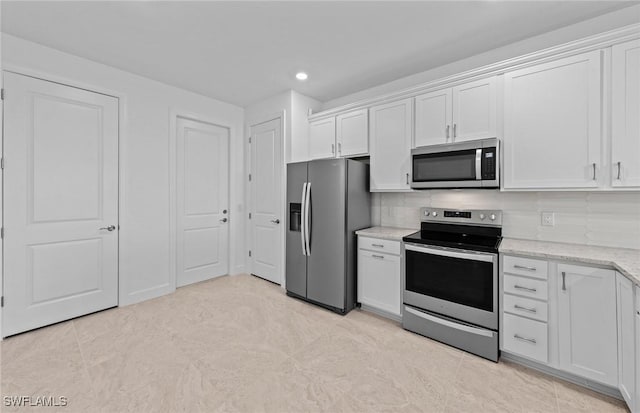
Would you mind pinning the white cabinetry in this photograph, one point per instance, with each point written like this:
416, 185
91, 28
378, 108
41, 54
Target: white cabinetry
626, 340
552, 118
587, 335
353, 133
625, 114
524, 308
379, 281
461, 113
636, 406
322, 138
390, 138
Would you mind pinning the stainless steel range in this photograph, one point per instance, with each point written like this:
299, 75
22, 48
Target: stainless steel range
451, 279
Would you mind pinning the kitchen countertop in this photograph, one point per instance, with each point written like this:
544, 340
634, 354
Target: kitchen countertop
390, 233
624, 260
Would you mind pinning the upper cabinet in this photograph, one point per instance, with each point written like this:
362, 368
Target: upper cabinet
322, 138
353, 133
625, 115
340, 136
390, 137
457, 114
552, 119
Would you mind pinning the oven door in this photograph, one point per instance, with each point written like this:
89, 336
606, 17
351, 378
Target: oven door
457, 283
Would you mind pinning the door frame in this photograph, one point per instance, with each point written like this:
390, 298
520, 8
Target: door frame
281, 116
175, 113
122, 128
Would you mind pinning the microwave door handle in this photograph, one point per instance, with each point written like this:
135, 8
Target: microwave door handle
478, 164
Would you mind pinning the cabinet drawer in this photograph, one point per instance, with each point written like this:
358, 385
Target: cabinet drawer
525, 307
525, 337
525, 287
525, 266
382, 245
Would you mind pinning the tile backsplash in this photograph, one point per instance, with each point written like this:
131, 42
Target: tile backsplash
594, 218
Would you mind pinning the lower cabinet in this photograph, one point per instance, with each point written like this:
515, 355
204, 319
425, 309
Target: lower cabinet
575, 319
626, 341
587, 332
379, 276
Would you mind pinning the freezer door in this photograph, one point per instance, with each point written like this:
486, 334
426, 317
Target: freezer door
326, 261
296, 261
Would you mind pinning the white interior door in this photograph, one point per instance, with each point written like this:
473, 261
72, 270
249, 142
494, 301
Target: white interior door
266, 194
60, 196
202, 223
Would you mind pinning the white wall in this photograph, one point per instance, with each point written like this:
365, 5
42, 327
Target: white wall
609, 21
146, 236
594, 218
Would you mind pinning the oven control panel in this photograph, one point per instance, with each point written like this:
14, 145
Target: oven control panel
466, 216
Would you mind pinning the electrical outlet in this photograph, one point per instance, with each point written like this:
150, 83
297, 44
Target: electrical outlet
548, 219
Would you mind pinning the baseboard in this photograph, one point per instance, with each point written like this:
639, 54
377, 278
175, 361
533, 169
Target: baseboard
381, 313
571, 378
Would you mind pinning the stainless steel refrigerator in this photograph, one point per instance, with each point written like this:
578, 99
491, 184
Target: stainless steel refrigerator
327, 201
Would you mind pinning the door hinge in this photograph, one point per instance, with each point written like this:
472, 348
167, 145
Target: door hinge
2, 301
249, 177
249, 139
2, 233
1, 163
249, 252
1, 94
249, 215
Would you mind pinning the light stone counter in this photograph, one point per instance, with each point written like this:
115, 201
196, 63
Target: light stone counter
626, 261
389, 233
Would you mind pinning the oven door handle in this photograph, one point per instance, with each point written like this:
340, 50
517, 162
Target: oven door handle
457, 326
475, 256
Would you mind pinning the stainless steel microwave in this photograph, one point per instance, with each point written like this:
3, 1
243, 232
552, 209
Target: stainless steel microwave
471, 164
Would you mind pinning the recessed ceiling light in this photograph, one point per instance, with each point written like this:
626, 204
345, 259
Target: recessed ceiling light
301, 76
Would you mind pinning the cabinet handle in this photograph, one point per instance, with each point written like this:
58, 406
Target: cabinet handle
448, 127
381, 257
522, 267
339, 147
333, 148
564, 285
377, 245
519, 287
454, 131
618, 171
594, 171
530, 340
407, 178
531, 310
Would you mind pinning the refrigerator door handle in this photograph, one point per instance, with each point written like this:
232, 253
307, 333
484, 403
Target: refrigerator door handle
307, 218
302, 219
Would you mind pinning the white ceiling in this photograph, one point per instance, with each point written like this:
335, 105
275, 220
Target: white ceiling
241, 52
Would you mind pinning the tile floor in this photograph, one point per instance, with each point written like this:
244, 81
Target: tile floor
239, 344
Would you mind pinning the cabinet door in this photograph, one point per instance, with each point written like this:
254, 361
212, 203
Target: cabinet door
390, 137
353, 133
587, 323
379, 281
474, 110
626, 339
322, 138
552, 124
433, 118
625, 114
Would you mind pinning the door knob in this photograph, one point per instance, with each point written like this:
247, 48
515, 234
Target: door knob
275, 221
224, 211
109, 228
223, 220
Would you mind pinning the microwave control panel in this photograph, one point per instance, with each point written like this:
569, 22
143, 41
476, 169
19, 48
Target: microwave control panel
489, 163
